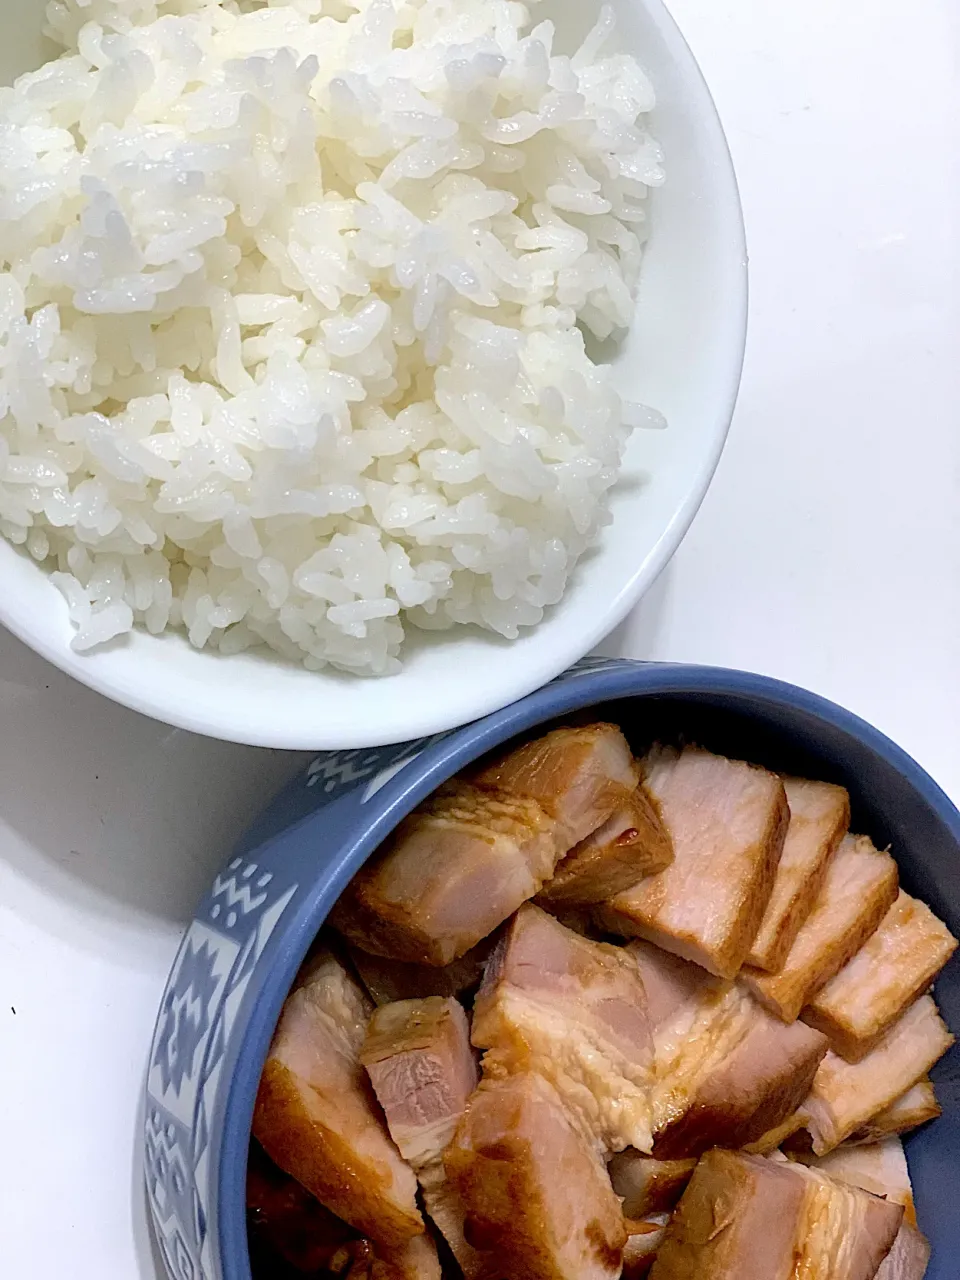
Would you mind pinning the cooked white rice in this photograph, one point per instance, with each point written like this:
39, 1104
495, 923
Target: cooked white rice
289, 305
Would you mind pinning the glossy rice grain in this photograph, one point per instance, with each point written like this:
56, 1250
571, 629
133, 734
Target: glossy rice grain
307, 285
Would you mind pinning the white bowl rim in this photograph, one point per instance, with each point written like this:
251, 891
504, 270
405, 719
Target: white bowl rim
228, 722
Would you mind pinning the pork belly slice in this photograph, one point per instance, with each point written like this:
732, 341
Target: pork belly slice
316, 1116
631, 844
739, 1217
455, 869
646, 1185
536, 1193
894, 966
390, 980
859, 887
747, 1216
755, 1089
880, 1168
644, 1238
847, 1231
575, 1011
846, 1095
727, 821
418, 1056
819, 817
915, 1107
909, 1257
580, 776
726, 1070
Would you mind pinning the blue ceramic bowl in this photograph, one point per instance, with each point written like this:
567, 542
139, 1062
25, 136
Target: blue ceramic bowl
254, 927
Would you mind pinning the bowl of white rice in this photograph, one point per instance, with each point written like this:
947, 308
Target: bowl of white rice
361, 361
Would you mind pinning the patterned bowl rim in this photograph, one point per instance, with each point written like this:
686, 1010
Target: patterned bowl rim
590, 682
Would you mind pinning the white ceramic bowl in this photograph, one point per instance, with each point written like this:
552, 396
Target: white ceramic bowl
683, 357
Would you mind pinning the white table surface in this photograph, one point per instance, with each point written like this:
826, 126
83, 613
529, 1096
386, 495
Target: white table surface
827, 553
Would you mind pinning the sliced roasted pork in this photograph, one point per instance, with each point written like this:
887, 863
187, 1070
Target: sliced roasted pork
677, 990
390, 980
727, 821
631, 844
915, 1107
747, 1216
880, 1168
647, 1185
418, 1056
846, 1095
536, 1193
760, 1084
316, 1116
739, 1216
847, 1232
580, 776
819, 817
454, 870
575, 1011
726, 1070
859, 887
909, 1257
644, 1238
894, 966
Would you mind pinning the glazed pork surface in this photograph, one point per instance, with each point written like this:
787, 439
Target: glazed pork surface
575, 1011
727, 821
819, 817
896, 964
749, 1216
859, 887
316, 1116
726, 1070
535, 1192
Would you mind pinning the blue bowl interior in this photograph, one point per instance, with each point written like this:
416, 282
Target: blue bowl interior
772, 724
